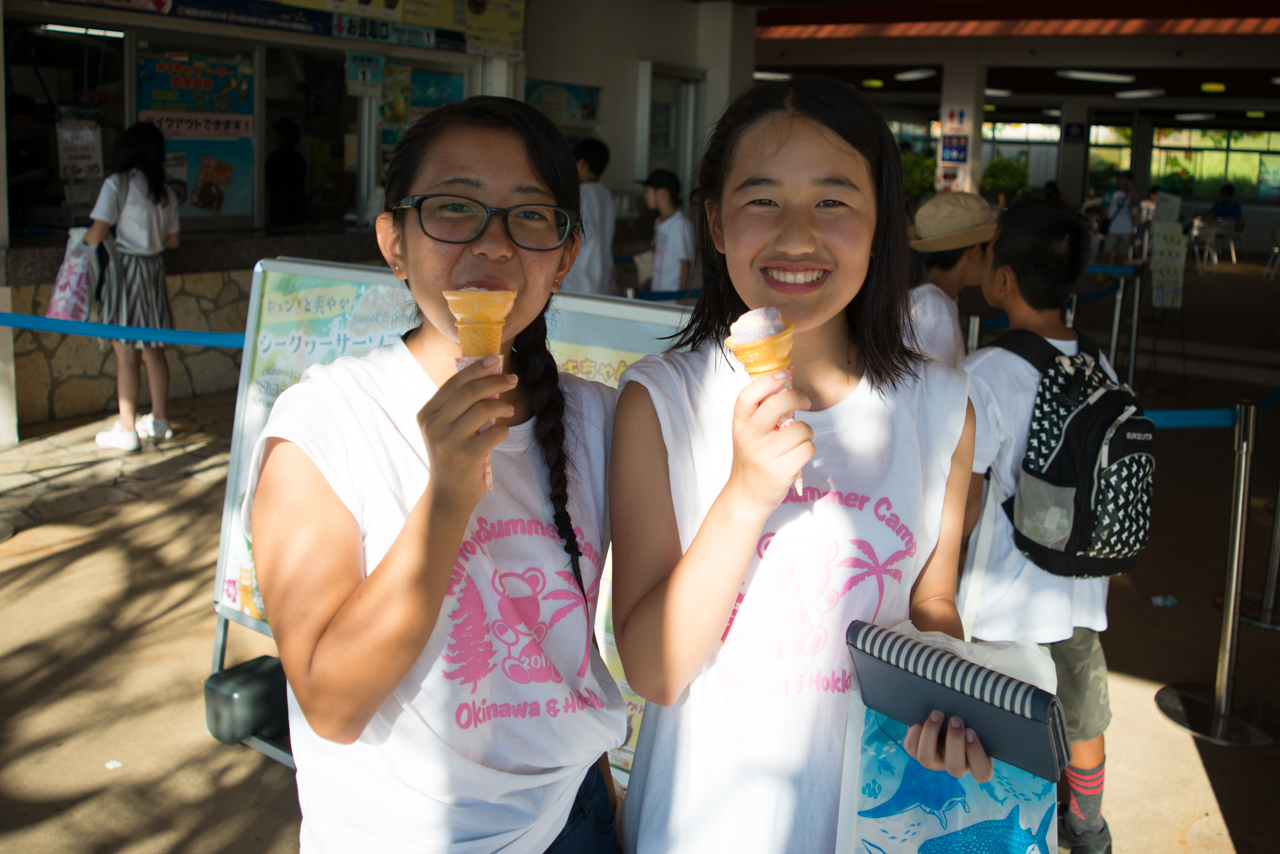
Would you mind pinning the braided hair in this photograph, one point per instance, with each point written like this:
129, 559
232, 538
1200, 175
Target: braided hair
553, 163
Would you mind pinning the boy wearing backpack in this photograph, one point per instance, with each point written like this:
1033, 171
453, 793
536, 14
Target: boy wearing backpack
1042, 421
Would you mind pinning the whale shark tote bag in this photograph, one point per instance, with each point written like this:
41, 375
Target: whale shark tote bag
903, 808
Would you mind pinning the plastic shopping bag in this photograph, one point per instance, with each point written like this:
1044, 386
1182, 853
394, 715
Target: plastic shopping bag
73, 289
899, 807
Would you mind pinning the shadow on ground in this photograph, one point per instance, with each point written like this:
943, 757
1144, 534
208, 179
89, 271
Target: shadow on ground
105, 638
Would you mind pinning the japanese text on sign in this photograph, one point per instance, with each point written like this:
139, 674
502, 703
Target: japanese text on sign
198, 125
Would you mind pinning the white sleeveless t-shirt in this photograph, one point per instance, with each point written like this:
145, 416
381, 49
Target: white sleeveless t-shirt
749, 758
484, 744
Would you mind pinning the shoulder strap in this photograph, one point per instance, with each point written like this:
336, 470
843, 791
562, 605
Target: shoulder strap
1088, 346
1030, 346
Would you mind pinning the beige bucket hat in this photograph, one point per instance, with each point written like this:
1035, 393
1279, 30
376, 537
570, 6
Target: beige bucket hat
952, 221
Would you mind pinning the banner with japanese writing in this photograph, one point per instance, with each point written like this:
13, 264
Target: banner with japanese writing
496, 28
203, 105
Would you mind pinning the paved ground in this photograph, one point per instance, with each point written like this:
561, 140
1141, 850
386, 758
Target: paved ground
106, 632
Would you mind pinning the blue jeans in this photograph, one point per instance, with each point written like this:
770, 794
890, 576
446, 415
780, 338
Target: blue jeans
590, 828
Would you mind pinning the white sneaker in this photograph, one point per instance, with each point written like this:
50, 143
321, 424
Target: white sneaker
118, 439
149, 427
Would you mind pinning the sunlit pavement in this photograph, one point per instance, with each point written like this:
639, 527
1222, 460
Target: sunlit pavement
106, 631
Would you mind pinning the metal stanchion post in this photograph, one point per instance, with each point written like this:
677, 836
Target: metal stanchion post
974, 338
1208, 712
1071, 311
1116, 311
1133, 329
1267, 620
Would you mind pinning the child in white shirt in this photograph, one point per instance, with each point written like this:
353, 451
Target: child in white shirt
592, 273
672, 233
951, 233
733, 586
444, 691
1038, 253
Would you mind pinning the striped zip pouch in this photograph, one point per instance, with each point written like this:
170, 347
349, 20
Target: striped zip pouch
904, 679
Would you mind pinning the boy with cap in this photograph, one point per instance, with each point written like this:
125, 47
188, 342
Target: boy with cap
672, 233
951, 235
592, 272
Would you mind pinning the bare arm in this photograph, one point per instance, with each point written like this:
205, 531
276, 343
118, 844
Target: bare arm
669, 610
933, 608
686, 273
346, 640
97, 232
933, 598
171, 242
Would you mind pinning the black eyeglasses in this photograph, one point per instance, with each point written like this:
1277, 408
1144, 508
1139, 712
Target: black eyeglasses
457, 219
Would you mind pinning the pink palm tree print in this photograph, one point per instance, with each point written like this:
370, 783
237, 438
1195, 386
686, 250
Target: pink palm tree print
874, 569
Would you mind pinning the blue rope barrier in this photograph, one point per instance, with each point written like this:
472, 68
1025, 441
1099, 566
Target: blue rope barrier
993, 323
1098, 295
1270, 400
185, 337
663, 296
1109, 270
1190, 419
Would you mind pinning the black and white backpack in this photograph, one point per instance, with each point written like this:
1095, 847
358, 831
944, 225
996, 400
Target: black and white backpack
1082, 507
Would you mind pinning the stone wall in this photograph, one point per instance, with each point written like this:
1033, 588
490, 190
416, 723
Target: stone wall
63, 376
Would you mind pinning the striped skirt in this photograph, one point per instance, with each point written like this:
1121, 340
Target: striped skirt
137, 295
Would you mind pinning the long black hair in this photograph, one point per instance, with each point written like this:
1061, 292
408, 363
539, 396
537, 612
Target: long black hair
553, 163
878, 315
142, 148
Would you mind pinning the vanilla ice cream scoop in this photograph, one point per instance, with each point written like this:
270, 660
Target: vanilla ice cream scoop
756, 324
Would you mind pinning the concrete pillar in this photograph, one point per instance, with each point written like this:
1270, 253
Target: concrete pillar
1073, 151
727, 52
960, 148
8, 380
1140, 158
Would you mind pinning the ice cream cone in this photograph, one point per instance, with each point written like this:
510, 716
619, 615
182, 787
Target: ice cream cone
764, 355
480, 316
761, 358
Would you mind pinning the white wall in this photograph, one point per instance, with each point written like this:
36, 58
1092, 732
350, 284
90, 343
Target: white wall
598, 43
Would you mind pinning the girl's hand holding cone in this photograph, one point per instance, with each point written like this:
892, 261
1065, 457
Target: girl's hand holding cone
766, 460
451, 425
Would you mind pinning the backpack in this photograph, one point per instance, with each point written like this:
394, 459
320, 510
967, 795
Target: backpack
1082, 507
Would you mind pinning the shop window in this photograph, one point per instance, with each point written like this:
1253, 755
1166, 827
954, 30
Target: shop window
1110, 152
1197, 162
914, 134
306, 101
1032, 143
68, 88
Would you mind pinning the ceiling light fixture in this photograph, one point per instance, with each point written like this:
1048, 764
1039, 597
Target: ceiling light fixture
1052, 112
873, 83
990, 108
1255, 114
82, 31
1195, 117
770, 76
1097, 76
1213, 87
915, 74
997, 93
1135, 94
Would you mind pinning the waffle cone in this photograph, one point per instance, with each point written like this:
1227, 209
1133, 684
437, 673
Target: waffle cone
765, 355
480, 316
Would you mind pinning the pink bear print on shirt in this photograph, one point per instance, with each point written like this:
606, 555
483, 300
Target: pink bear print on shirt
520, 597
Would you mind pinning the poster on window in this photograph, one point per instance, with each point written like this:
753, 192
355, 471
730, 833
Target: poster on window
204, 106
79, 151
496, 28
564, 103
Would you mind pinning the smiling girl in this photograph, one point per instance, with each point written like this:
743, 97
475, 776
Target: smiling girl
733, 590
443, 692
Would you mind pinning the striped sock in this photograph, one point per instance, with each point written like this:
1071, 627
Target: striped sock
1085, 814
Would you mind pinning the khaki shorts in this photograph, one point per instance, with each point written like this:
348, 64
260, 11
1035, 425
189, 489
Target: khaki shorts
1082, 684
1120, 244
